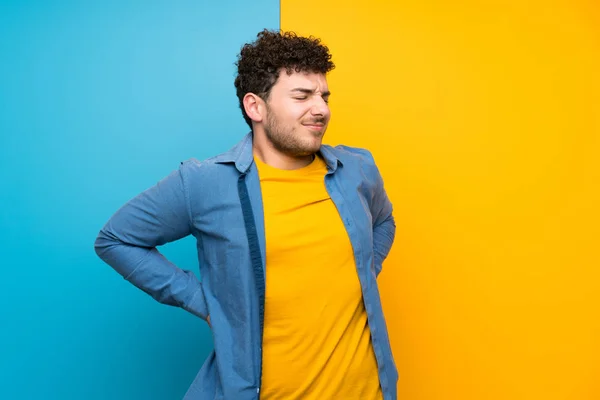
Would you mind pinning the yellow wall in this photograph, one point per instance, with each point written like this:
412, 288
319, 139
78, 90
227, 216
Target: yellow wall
484, 117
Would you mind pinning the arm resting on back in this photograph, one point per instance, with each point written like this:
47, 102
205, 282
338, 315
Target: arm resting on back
129, 239
384, 227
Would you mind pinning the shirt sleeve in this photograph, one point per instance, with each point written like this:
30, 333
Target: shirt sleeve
129, 240
384, 226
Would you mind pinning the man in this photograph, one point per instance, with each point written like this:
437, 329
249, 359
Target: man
291, 235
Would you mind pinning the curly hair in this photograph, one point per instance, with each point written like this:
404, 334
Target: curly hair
260, 62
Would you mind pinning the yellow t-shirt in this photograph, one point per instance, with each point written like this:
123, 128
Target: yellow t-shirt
317, 343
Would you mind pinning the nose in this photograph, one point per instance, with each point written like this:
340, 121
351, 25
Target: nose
320, 107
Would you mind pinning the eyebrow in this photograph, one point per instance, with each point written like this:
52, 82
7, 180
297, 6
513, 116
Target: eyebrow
310, 91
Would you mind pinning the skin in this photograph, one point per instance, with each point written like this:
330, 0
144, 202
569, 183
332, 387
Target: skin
289, 126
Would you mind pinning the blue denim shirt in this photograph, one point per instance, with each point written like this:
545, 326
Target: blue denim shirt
219, 202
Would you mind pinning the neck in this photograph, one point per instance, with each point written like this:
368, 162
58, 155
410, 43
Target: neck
268, 154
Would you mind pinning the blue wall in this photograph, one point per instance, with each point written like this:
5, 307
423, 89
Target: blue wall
99, 101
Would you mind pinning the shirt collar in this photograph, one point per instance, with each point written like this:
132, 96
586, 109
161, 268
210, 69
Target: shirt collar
242, 156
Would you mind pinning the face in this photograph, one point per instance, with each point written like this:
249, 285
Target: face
297, 113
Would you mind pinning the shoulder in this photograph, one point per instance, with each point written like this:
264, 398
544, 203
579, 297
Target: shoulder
221, 163
206, 171
351, 154
196, 165
355, 157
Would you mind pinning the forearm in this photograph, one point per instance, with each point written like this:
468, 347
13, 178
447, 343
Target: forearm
151, 272
129, 240
383, 238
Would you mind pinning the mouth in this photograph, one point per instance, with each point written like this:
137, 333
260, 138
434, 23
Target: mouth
315, 127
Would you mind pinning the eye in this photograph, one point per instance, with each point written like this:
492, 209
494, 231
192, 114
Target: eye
301, 98
326, 100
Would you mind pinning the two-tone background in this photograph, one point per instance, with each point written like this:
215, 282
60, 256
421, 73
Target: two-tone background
484, 117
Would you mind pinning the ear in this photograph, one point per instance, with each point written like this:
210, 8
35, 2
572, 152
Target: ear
254, 106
